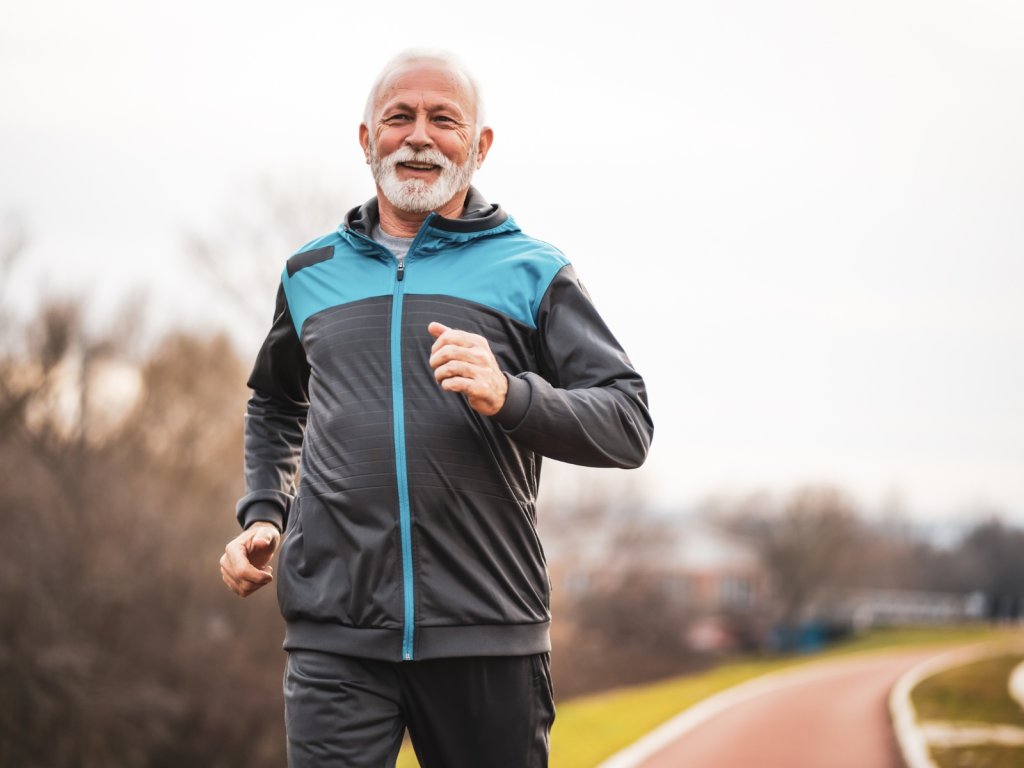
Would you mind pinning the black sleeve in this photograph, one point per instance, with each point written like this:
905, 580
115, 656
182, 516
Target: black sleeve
275, 422
587, 405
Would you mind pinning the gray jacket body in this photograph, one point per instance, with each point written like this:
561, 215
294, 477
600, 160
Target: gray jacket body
411, 533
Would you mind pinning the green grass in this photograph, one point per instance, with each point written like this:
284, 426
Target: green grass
591, 728
975, 693
979, 757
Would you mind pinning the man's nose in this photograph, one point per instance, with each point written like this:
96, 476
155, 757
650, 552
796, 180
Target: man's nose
419, 137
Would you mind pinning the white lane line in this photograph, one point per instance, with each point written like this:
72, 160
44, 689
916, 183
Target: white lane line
1016, 683
940, 734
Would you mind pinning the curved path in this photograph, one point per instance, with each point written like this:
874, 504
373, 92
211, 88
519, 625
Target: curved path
829, 714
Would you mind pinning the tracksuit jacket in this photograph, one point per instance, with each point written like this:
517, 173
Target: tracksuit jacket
412, 531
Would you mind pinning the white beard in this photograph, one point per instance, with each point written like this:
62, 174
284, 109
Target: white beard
419, 195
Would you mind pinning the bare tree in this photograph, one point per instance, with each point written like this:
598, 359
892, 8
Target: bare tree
991, 553
810, 544
619, 617
118, 644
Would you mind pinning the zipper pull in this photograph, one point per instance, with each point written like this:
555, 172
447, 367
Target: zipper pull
401, 268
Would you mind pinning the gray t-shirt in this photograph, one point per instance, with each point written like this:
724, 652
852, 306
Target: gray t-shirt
397, 245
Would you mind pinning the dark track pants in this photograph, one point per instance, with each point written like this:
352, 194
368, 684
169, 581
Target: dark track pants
475, 712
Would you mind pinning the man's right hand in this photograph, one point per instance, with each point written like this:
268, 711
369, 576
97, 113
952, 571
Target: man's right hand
243, 566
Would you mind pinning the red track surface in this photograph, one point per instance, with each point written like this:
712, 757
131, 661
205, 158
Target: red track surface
834, 717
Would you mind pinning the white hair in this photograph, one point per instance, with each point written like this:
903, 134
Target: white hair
439, 58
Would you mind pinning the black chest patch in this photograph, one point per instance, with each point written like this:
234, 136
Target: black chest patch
309, 258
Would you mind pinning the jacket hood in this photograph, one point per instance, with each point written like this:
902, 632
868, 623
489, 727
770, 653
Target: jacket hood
477, 216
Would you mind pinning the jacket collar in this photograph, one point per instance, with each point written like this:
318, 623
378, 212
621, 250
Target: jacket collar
477, 216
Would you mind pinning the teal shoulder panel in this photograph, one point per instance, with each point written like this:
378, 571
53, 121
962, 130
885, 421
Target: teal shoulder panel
509, 273
347, 276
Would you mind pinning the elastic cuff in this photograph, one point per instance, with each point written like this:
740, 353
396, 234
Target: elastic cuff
263, 512
517, 403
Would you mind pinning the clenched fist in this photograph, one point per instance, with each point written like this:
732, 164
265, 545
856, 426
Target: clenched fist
243, 566
463, 362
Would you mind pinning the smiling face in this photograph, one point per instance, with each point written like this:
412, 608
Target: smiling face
422, 142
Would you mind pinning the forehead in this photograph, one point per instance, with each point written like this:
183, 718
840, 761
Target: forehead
426, 82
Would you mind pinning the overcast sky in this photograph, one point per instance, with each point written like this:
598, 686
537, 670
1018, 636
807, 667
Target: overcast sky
804, 220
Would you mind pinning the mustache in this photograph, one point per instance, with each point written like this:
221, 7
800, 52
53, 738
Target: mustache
409, 155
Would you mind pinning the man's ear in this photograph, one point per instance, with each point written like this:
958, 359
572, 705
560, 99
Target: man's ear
484, 145
364, 141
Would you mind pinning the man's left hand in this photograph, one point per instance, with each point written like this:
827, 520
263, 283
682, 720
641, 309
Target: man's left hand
463, 362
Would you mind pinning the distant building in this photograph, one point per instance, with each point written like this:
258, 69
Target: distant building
866, 608
715, 586
713, 580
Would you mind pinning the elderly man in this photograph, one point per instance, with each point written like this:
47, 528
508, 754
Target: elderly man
423, 358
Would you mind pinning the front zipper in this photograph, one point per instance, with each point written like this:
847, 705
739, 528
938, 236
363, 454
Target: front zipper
401, 469
398, 413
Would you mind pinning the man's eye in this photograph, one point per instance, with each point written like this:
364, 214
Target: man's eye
395, 118
444, 119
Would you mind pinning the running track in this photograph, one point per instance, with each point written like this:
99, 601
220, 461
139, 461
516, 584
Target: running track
831, 714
